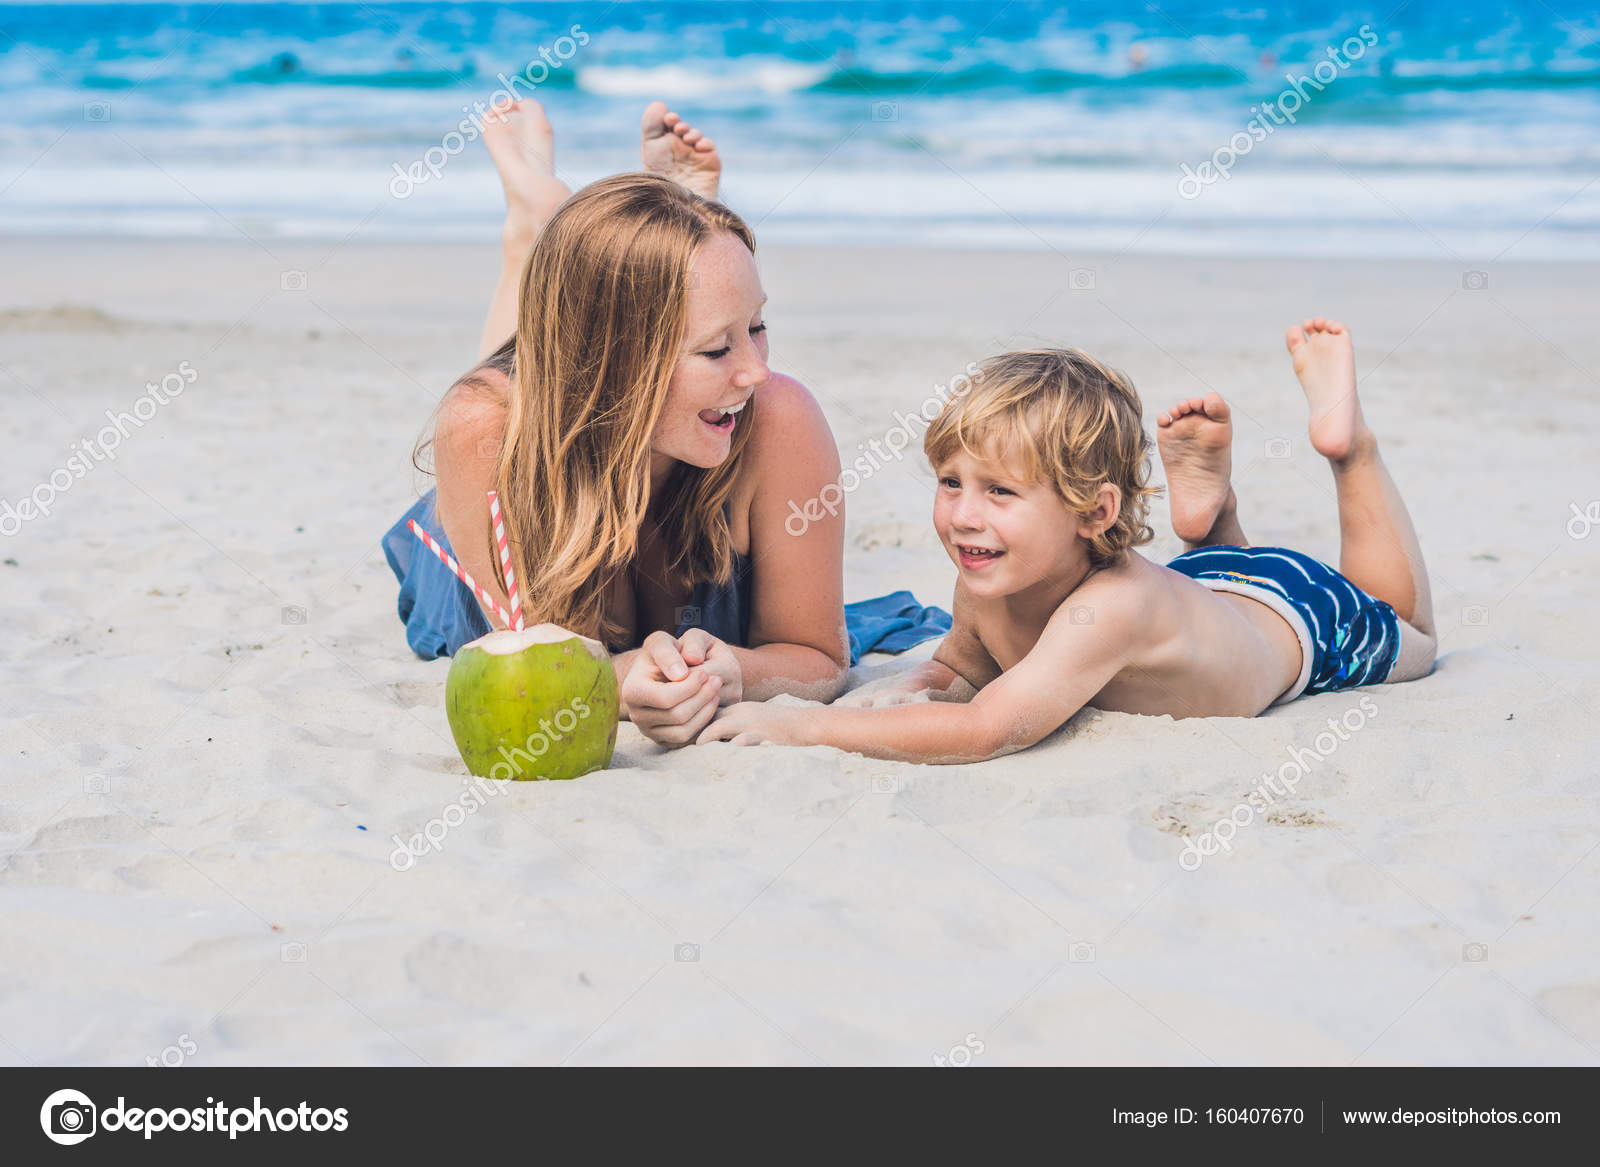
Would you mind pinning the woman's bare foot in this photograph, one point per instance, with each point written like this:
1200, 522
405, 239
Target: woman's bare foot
1196, 442
1325, 361
674, 149
522, 145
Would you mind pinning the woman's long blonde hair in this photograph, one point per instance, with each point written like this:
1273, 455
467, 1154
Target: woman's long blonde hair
601, 321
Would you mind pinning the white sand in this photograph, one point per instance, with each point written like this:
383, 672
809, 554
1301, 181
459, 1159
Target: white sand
845, 910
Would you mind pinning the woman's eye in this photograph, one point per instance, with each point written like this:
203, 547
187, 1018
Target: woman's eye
755, 328
717, 354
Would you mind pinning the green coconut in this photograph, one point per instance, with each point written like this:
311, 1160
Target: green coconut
540, 703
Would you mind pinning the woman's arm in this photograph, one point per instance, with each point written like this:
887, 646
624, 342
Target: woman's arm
673, 686
797, 636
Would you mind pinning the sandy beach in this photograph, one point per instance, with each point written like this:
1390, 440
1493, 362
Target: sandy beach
213, 730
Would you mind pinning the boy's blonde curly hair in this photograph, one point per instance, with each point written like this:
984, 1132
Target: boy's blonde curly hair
1070, 421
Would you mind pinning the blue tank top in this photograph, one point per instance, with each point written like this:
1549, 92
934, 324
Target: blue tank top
441, 614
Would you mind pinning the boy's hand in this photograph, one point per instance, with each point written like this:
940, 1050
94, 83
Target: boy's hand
882, 698
750, 723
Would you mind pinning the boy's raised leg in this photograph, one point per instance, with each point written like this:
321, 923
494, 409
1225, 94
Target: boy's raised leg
1195, 438
1378, 547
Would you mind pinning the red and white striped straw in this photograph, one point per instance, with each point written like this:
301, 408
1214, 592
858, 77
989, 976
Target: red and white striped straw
501, 542
449, 561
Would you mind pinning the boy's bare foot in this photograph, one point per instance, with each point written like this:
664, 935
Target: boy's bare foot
674, 149
1196, 442
1325, 361
522, 145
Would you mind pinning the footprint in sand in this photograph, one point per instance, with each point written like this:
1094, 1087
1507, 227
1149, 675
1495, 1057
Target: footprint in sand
1576, 1007
412, 694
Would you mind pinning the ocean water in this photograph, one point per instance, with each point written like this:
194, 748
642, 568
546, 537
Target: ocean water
1464, 130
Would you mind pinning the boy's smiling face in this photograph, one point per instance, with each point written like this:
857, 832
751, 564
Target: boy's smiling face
1005, 532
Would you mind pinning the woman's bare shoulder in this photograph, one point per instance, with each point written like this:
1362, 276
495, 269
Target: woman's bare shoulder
791, 444
473, 413
786, 401
789, 422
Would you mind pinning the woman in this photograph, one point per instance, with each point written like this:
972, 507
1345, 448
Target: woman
645, 488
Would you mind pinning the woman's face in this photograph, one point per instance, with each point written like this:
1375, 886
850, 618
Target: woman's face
723, 360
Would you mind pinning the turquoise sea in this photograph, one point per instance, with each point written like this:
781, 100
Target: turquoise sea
1469, 129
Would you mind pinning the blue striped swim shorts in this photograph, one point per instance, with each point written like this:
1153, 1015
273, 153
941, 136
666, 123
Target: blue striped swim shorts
1347, 638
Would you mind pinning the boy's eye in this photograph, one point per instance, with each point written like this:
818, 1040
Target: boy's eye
1001, 490
952, 483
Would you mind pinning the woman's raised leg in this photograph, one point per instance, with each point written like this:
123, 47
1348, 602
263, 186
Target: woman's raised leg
522, 145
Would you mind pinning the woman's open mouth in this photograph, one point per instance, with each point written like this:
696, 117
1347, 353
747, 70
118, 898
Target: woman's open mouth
723, 420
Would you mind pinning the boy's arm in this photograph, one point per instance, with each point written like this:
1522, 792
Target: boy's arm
958, 669
1069, 665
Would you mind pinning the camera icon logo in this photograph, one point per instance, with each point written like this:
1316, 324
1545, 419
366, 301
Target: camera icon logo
687, 616
1474, 281
97, 111
686, 953
1279, 449
1475, 615
96, 784
293, 952
1474, 953
292, 281
1081, 614
1081, 279
294, 614
68, 1117
1081, 952
885, 111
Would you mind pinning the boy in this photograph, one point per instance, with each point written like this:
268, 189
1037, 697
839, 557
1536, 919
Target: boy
1042, 496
